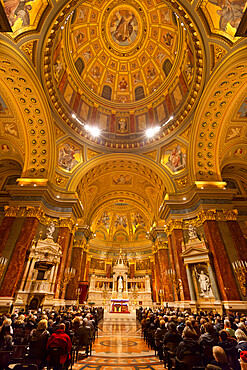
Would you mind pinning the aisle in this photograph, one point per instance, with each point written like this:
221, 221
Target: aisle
119, 346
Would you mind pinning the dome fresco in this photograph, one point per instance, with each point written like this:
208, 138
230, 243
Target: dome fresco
124, 66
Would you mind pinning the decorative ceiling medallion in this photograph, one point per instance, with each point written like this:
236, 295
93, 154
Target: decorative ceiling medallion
123, 30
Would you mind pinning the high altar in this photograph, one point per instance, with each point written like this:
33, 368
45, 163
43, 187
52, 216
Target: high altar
119, 293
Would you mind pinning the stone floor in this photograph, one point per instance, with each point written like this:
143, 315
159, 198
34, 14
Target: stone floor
119, 346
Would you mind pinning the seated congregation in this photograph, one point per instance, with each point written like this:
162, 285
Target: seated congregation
205, 341
49, 339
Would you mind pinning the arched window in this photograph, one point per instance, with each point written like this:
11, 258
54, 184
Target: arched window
139, 93
106, 92
79, 65
167, 66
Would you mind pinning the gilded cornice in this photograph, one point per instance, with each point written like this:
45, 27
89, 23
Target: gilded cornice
217, 215
34, 212
11, 211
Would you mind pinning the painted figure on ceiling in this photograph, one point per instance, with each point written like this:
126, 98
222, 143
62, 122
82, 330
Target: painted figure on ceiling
231, 12
124, 27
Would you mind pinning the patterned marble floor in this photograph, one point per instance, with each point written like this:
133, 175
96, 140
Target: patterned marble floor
119, 346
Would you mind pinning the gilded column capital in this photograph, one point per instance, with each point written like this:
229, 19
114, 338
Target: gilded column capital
11, 211
209, 215
151, 259
230, 215
66, 222
132, 262
172, 225
34, 212
162, 245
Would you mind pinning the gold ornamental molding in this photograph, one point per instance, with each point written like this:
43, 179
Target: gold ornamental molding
11, 211
34, 212
172, 225
217, 215
66, 222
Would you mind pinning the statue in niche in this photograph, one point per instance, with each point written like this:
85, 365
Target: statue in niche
204, 284
120, 284
50, 230
192, 232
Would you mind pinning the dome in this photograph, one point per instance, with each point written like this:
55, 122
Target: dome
123, 68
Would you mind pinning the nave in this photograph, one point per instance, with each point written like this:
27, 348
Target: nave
118, 346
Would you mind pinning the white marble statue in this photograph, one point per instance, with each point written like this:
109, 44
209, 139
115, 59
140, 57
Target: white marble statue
192, 232
204, 283
120, 284
50, 230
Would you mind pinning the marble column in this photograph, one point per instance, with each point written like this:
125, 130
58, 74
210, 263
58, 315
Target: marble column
71, 293
132, 269
64, 236
191, 284
177, 239
83, 266
68, 259
17, 262
6, 225
164, 265
108, 268
87, 268
172, 266
239, 241
225, 278
153, 279
157, 275
213, 282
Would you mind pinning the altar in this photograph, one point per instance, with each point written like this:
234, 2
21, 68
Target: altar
119, 305
120, 294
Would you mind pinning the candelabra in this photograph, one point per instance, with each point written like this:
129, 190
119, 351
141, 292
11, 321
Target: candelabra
3, 264
79, 291
171, 274
161, 295
69, 273
240, 269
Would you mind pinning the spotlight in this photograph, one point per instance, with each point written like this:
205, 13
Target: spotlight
150, 132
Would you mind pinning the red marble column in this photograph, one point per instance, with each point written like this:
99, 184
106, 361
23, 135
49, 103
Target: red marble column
64, 240
153, 281
108, 268
166, 283
17, 262
68, 260
71, 292
6, 225
132, 270
157, 274
238, 239
83, 265
172, 265
87, 269
177, 238
226, 282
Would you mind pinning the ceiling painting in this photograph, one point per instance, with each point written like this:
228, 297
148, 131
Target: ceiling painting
24, 15
242, 111
69, 156
223, 16
174, 157
118, 57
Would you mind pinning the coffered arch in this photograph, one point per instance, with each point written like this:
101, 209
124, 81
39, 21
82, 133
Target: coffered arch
216, 108
33, 117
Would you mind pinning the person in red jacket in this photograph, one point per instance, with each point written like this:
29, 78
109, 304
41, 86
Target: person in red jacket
59, 340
